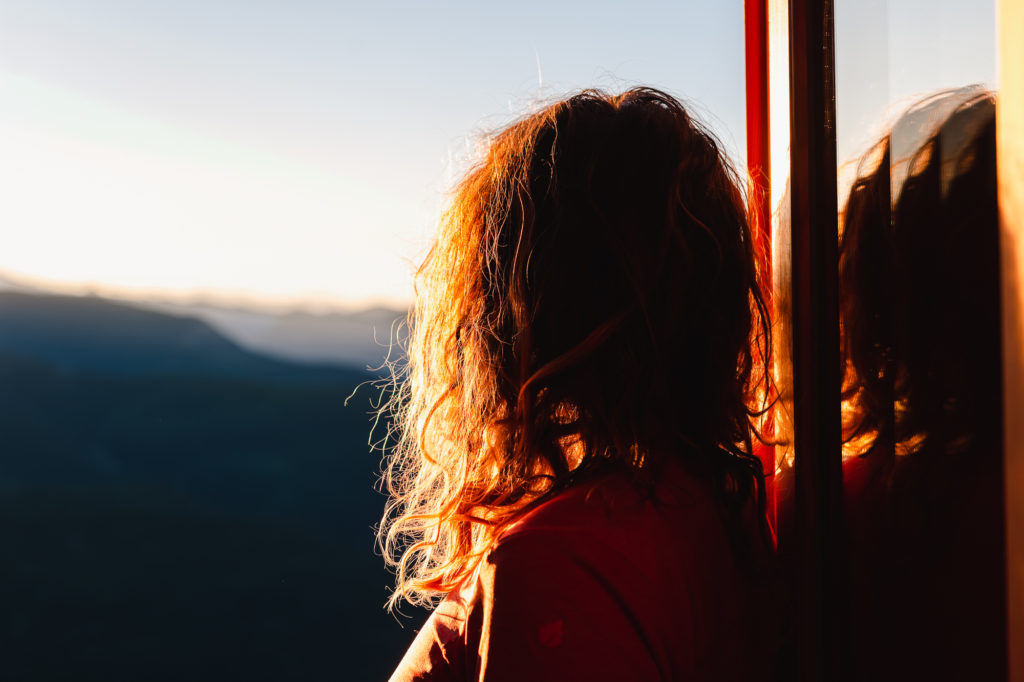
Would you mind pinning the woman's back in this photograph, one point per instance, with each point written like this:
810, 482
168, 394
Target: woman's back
603, 581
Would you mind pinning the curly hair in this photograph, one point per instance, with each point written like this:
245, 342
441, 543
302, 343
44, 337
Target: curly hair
918, 252
591, 302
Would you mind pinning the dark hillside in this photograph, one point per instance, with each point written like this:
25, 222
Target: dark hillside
93, 334
185, 524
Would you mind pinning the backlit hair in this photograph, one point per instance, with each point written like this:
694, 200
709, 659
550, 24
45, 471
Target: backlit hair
591, 302
918, 272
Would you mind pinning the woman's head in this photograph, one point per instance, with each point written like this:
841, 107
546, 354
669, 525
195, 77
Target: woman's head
919, 277
591, 300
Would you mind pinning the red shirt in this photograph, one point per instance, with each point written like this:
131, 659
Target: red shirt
599, 583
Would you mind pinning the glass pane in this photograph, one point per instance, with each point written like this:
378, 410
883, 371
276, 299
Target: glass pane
920, 329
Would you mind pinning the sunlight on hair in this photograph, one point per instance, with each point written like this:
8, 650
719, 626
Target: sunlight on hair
583, 307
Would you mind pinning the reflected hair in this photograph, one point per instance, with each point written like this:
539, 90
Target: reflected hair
591, 302
918, 269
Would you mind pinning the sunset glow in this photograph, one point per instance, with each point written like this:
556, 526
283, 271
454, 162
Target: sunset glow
295, 154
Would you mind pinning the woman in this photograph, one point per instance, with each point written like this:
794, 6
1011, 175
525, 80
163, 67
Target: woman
919, 274
575, 474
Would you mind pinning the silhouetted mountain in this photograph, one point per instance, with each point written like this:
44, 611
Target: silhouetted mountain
82, 333
351, 338
173, 507
362, 338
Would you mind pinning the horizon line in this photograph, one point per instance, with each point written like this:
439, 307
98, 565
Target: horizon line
319, 303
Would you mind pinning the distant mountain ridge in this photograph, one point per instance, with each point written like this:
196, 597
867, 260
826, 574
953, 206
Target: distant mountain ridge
364, 338
360, 339
84, 333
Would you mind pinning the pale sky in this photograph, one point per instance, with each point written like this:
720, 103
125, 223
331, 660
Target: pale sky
890, 53
299, 151
296, 150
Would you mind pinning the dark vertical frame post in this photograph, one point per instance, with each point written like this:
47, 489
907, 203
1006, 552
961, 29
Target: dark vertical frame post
821, 613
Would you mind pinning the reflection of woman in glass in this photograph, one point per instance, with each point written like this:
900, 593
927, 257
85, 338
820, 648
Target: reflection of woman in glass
575, 470
920, 310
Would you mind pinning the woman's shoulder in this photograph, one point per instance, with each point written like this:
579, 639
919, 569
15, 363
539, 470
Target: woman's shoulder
611, 544
643, 575
607, 579
615, 509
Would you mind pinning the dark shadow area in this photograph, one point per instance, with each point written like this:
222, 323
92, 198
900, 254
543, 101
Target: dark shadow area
173, 507
919, 275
